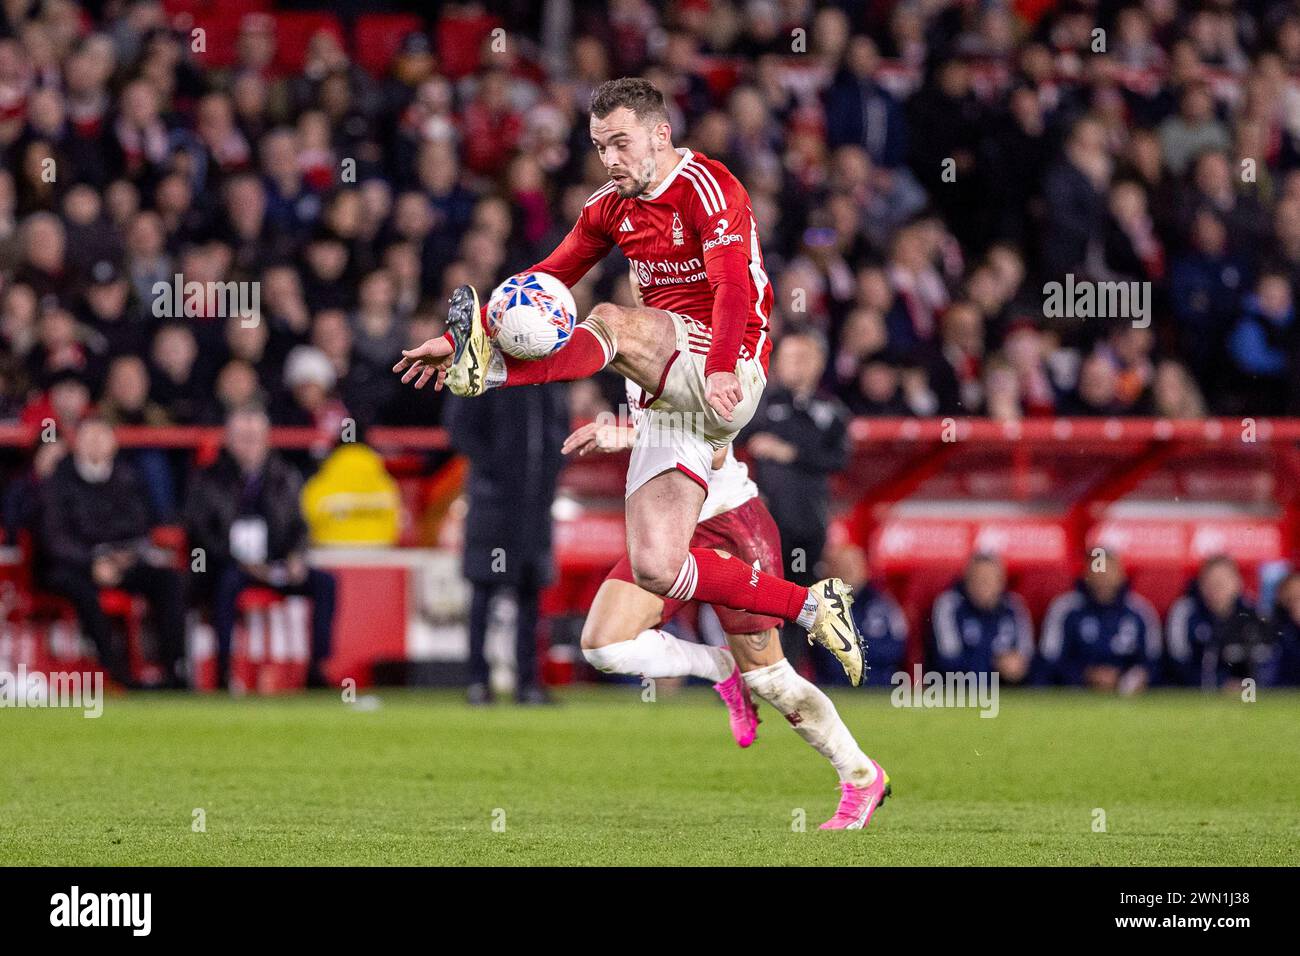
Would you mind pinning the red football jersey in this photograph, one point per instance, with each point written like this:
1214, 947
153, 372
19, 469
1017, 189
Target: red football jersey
693, 245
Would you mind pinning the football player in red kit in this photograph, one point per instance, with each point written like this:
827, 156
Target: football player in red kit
697, 347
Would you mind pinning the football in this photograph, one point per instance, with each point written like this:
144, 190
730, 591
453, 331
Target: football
531, 315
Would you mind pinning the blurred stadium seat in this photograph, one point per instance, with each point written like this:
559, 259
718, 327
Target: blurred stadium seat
377, 36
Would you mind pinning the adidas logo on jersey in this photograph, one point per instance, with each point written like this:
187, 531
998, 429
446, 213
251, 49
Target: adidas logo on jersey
626, 225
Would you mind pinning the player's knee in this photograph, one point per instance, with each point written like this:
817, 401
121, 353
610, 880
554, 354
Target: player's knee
597, 634
609, 317
607, 312
656, 570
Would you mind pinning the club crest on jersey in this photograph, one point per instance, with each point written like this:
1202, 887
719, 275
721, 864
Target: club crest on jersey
677, 230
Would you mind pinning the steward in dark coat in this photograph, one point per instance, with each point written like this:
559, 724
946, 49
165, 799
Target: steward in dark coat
512, 438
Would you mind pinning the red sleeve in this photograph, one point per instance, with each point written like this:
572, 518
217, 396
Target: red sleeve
585, 245
725, 237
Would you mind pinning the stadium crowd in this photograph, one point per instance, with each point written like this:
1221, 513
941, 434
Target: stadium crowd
918, 170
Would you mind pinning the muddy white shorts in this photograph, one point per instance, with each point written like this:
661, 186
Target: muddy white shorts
678, 429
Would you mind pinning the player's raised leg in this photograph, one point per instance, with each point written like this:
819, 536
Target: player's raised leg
637, 342
663, 562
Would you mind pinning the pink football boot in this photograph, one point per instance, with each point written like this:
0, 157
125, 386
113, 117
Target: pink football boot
741, 713
857, 804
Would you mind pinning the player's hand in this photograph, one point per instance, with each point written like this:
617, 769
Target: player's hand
767, 445
722, 392
425, 362
598, 437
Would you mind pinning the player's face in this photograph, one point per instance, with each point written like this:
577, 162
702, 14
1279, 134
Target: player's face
627, 147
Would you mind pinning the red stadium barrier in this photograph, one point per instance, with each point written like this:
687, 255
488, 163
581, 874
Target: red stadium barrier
922, 495
1042, 494
200, 437
220, 35
458, 40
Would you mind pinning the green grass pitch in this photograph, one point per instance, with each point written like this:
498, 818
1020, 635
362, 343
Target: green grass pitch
607, 779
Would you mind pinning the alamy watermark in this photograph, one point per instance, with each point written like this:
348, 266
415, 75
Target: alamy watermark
179, 299
83, 690
1085, 299
133, 911
946, 689
660, 429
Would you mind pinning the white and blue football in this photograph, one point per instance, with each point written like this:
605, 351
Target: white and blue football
531, 315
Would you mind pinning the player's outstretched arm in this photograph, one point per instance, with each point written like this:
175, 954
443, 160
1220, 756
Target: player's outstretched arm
425, 361
599, 438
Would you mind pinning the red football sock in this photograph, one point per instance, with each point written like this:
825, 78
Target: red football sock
724, 579
581, 357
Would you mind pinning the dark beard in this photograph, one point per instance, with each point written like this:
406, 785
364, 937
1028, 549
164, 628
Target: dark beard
631, 190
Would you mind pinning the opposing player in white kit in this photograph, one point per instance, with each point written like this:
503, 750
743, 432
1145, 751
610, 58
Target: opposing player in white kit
623, 632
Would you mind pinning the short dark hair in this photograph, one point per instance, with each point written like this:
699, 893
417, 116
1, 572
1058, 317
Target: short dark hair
636, 94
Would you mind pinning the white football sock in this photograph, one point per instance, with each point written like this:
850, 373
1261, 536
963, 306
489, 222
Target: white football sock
656, 653
813, 717
809, 613
496, 369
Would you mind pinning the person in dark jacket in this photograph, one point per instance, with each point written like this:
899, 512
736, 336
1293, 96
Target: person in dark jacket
1206, 283
946, 159
1286, 628
798, 440
1074, 193
93, 534
512, 438
1214, 635
244, 512
1101, 634
1260, 346
979, 626
862, 112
